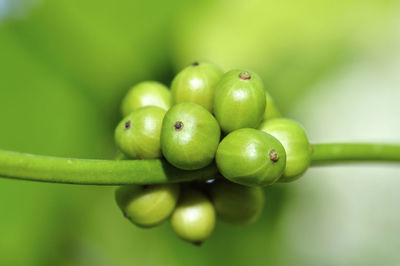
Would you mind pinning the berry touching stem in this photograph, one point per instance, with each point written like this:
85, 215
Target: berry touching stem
110, 172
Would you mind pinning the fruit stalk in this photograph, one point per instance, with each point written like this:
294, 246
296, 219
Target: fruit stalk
339, 153
110, 172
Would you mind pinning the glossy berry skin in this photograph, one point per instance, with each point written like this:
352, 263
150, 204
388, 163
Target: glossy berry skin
271, 111
251, 157
196, 83
236, 204
194, 217
189, 136
146, 93
147, 206
138, 134
295, 141
239, 100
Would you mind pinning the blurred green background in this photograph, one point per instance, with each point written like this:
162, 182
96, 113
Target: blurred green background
333, 65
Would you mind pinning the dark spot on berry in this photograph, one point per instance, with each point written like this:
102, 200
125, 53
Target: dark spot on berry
195, 63
274, 156
198, 244
178, 125
128, 125
245, 75
126, 216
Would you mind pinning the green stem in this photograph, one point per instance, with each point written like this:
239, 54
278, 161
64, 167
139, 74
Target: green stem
110, 172
94, 172
327, 154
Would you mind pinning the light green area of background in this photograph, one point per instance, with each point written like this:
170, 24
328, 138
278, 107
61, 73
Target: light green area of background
332, 65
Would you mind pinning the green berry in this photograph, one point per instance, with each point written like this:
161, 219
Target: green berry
147, 93
239, 100
194, 217
294, 139
138, 134
271, 111
196, 83
236, 204
251, 157
189, 136
147, 206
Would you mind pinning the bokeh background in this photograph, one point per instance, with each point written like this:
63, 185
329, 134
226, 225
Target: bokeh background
332, 65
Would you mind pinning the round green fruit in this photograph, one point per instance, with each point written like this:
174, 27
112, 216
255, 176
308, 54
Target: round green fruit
147, 206
271, 111
147, 93
236, 204
138, 134
194, 217
196, 83
239, 100
189, 136
294, 139
251, 157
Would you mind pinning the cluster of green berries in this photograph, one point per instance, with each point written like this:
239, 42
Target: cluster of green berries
207, 116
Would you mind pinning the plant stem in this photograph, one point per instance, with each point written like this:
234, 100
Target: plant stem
94, 172
110, 172
328, 154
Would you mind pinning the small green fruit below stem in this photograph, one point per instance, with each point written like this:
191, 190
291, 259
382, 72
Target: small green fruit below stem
146, 93
271, 111
149, 205
239, 100
189, 136
196, 83
138, 134
194, 217
294, 139
236, 204
251, 157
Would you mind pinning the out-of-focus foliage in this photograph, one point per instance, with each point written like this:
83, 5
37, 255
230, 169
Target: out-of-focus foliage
65, 65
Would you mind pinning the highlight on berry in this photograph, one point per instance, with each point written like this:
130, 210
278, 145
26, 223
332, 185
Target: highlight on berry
207, 116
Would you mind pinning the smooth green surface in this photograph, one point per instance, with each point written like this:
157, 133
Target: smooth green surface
194, 217
149, 205
95, 172
236, 204
194, 145
146, 93
295, 141
196, 83
243, 157
138, 134
239, 103
342, 153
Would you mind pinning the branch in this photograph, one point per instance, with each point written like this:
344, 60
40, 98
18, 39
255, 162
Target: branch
94, 172
335, 153
111, 172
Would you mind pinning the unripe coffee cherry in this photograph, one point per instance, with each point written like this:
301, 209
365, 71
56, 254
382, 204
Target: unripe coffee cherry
194, 217
147, 206
236, 204
298, 150
196, 83
189, 136
239, 100
138, 134
251, 157
147, 93
271, 111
